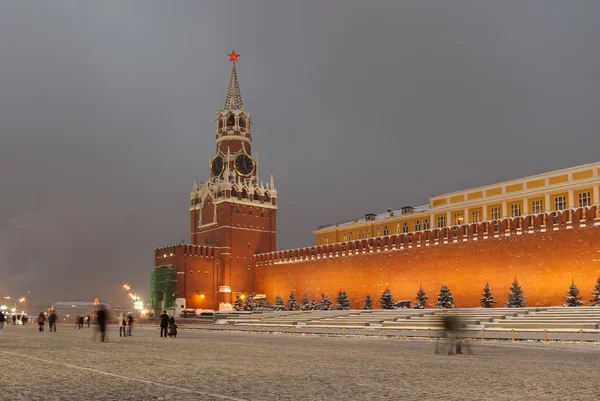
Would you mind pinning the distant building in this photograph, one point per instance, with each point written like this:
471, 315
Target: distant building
67, 311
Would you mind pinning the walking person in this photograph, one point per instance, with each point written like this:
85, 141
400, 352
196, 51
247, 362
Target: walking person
164, 324
88, 318
101, 320
41, 321
80, 320
2, 319
14, 319
122, 325
52, 321
129, 323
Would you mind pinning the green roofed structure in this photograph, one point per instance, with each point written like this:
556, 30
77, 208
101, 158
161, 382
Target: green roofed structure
163, 288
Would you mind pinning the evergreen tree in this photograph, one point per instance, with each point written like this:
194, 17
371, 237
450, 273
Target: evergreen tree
305, 303
342, 302
595, 301
249, 304
291, 303
421, 298
260, 304
324, 303
313, 305
445, 299
368, 304
516, 299
278, 305
487, 300
238, 305
573, 298
387, 300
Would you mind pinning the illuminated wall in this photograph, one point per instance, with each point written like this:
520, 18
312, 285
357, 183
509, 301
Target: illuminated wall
544, 253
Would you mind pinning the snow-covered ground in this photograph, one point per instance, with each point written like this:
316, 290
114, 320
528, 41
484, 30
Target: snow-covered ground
68, 365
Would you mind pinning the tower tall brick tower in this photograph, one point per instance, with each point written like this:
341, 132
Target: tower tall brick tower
234, 211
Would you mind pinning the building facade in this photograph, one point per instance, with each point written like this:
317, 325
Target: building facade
556, 191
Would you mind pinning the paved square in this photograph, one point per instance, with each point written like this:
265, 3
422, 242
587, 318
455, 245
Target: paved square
68, 365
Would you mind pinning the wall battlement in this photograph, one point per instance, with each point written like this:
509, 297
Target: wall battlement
531, 224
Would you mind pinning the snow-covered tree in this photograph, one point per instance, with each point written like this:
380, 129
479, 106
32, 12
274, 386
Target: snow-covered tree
249, 304
573, 298
342, 302
324, 303
305, 303
445, 299
516, 299
260, 304
238, 305
368, 304
487, 300
313, 305
291, 303
421, 299
595, 301
278, 305
386, 300
267, 304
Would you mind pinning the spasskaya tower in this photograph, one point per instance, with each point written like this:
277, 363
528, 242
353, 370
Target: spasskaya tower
234, 211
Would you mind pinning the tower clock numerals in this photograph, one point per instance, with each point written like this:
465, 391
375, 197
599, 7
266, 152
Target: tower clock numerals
244, 165
217, 166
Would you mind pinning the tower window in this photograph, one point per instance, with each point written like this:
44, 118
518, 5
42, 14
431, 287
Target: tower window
242, 122
231, 120
244, 194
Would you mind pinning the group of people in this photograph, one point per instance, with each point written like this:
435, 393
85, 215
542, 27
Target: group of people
125, 322
51, 321
167, 323
17, 318
81, 321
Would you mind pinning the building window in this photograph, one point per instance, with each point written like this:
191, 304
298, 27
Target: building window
378, 231
360, 234
515, 210
349, 236
367, 233
585, 199
417, 225
476, 216
425, 224
495, 213
459, 218
537, 206
560, 203
345, 237
441, 221
385, 230
404, 227
325, 239
398, 228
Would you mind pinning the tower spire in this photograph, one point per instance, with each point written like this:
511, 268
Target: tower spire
234, 97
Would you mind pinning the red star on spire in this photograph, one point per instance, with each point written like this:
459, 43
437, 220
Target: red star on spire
233, 56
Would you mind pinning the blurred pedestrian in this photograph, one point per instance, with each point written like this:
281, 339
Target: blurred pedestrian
2, 319
164, 324
80, 319
172, 328
101, 319
452, 324
122, 325
129, 323
14, 319
52, 321
88, 318
41, 321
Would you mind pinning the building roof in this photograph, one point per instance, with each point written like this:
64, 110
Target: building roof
378, 217
234, 97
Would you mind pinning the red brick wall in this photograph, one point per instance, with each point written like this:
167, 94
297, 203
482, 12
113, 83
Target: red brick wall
543, 262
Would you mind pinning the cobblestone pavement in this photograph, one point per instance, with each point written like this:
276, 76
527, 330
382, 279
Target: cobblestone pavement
69, 365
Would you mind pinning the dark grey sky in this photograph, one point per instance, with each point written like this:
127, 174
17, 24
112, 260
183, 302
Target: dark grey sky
107, 112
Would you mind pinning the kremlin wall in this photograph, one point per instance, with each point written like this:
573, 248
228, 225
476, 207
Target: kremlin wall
544, 252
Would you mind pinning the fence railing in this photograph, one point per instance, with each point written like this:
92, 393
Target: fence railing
541, 335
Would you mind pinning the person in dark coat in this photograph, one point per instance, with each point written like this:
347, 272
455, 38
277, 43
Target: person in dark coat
172, 328
88, 318
52, 321
80, 320
129, 323
101, 320
164, 324
41, 321
14, 319
2, 319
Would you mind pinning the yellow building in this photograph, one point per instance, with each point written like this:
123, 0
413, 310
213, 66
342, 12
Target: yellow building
570, 188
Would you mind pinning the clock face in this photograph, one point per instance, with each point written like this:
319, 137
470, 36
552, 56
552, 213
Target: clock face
244, 165
217, 166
